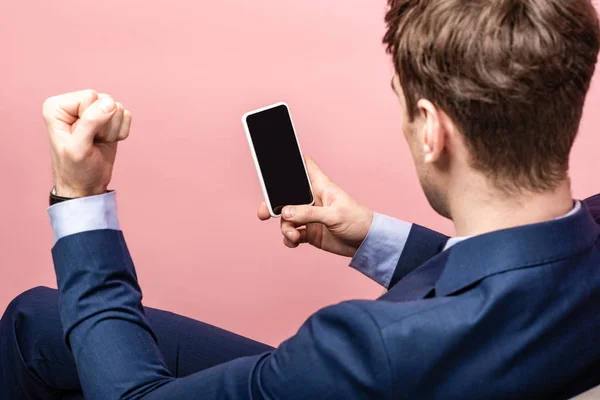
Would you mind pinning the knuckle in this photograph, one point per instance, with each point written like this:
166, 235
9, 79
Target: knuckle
48, 107
108, 96
89, 96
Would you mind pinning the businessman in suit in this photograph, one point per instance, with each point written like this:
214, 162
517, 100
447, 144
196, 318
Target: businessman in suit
491, 95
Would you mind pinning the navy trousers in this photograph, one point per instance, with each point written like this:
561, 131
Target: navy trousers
35, 362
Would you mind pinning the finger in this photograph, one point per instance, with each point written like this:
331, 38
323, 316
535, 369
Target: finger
289, 243
111, 130
302, 236
95, 119
88, 98
301, 215
70, 106
298, 236
126, 127
295, 235
84, 105
289, 230
263, 212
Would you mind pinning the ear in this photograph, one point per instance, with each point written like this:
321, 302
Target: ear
434, 134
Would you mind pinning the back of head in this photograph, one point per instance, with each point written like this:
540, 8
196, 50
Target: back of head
511, 74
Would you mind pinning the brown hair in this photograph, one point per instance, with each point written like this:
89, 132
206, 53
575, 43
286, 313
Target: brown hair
511, 74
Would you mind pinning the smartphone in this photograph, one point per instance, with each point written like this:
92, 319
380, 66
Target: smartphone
278, 159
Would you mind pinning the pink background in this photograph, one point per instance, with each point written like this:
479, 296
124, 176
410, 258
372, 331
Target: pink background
188, 192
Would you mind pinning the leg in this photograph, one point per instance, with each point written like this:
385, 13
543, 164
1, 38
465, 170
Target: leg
35, 363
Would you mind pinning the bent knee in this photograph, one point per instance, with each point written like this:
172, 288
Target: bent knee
30, 332
39, 300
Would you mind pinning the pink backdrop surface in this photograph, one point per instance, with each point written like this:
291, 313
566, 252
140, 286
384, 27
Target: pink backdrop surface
188, 192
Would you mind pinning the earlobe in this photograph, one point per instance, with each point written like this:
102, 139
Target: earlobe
428, 142
428, 154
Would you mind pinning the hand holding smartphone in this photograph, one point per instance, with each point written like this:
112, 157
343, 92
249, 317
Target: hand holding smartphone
277, 157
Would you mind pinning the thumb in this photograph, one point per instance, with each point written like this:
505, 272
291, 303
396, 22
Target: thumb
301, 215
94, 119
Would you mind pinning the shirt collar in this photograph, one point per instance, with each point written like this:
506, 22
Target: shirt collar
452, 241
472, 260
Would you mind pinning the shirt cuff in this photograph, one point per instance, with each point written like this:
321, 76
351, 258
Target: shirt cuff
377, 257
84, 215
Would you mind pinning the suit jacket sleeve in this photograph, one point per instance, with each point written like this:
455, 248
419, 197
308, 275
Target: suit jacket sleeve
421, 245
338, 353
393, 248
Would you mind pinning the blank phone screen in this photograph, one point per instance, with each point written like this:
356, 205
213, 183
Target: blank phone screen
279, 158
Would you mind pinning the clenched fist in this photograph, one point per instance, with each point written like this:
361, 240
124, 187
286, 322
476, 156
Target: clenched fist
85, 128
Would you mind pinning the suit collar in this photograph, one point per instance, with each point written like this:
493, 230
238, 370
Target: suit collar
453, 241
496, 252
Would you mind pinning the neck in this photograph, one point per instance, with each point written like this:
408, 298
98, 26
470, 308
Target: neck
476, 211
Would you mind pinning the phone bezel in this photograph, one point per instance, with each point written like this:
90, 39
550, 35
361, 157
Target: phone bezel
255, 158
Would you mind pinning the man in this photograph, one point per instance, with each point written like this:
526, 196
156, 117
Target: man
492, 94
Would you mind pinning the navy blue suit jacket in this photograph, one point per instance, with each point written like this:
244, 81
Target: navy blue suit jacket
509, 314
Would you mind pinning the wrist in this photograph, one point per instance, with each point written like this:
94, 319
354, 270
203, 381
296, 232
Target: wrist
367, 223
70, 192
363, 222
56, 199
